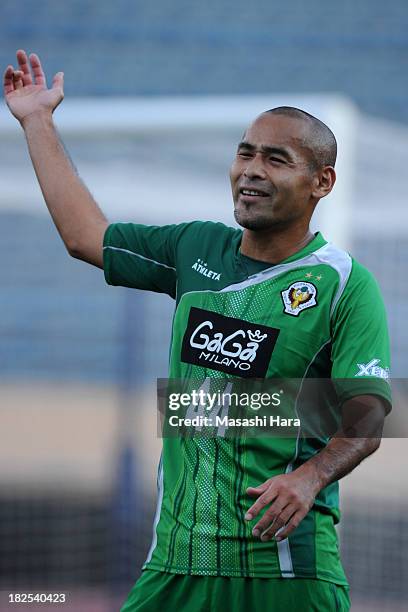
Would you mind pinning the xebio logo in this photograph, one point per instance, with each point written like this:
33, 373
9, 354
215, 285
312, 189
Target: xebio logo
230, 345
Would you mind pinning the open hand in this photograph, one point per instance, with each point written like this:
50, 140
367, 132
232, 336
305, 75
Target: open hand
25, 88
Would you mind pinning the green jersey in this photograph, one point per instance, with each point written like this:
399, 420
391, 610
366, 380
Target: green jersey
317, 314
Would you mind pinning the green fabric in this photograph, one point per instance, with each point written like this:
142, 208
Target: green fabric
158, 591
335, 329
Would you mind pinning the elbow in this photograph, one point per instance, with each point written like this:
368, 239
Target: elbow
73, 249
371, 445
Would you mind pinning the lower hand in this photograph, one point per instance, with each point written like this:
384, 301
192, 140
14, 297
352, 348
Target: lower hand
289, 497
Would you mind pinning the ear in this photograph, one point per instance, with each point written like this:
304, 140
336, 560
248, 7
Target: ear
324, 182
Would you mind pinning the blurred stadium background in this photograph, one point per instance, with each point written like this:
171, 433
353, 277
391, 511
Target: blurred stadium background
157, 96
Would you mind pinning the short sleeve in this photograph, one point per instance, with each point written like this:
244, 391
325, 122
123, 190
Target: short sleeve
360, 342
141, 256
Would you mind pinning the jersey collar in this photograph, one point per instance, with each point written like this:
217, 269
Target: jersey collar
253, 266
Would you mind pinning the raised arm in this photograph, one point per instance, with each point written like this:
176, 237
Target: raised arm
75, 213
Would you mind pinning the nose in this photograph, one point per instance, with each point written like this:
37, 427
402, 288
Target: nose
255, 168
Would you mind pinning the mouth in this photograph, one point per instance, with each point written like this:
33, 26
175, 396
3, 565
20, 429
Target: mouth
252, 194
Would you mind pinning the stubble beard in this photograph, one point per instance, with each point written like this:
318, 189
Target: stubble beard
254, 223
248, 218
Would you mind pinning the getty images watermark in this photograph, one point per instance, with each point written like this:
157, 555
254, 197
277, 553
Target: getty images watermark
213, 403
310, 408
224, 407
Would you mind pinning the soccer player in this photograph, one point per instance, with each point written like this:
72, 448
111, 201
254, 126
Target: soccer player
246, 522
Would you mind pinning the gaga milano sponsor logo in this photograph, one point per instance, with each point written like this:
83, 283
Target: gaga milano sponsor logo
230, 345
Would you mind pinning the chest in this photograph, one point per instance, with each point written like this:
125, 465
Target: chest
260, 327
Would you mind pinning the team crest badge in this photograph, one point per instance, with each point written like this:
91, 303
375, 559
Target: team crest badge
298, 297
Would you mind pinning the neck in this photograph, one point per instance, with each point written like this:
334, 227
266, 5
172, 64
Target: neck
274, 244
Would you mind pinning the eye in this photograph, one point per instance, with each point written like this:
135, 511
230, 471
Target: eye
277, 160
244, 154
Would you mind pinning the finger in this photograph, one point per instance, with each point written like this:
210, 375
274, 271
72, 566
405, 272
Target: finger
266, 498
268, 533
24, 66
18, 79
58, 81
278, 524
39, 76
290, 526
255, 491
269, 523
8, 83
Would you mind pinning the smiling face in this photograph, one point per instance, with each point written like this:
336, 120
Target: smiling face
273, 177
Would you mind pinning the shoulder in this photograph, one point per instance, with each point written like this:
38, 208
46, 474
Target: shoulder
349, 269
361, 278
205, 235
353, 277
207, 228
192, 230
361, 291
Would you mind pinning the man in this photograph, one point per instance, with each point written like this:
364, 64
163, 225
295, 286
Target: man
242, 523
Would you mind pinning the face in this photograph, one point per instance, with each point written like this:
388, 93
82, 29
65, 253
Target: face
271, 177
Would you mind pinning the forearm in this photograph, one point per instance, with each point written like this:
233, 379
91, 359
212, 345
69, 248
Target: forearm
72, 207
292, 495
359, 436
337, 459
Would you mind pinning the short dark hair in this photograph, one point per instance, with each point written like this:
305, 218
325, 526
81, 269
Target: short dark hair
322, 141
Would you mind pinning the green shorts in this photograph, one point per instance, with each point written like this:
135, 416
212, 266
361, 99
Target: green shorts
164, 592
